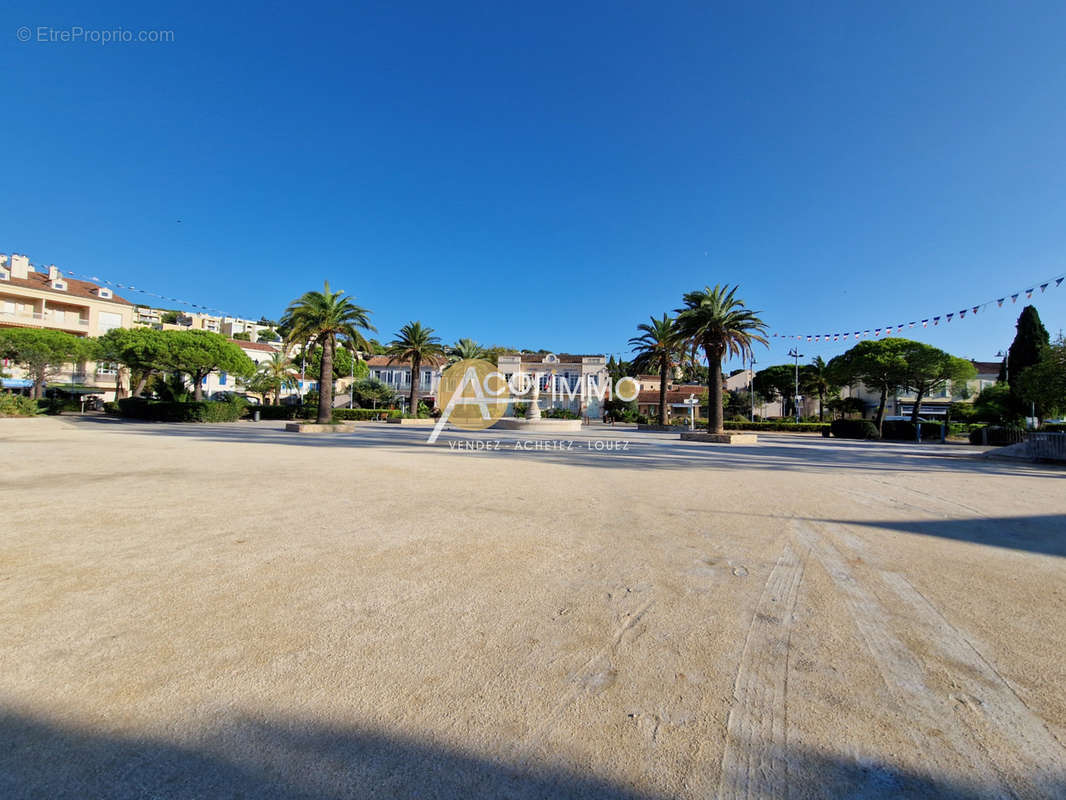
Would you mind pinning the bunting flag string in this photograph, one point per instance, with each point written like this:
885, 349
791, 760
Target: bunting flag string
199, 308
888, 330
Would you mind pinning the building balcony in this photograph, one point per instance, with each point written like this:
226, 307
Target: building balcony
49, 319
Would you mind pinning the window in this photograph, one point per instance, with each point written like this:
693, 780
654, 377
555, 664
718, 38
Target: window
106, 368
106, 320
222, 379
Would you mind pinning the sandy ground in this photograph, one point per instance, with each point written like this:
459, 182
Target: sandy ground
233, 611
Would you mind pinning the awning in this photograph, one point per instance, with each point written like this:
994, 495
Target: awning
16, 383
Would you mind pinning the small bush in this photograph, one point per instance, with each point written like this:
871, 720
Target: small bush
111, 408
997, 436
17, 405
1053, 427
854, 429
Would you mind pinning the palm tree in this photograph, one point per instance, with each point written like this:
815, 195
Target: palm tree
466, 348
415, 344
277, 373
318, 319
718, 323
815, 379
657, 348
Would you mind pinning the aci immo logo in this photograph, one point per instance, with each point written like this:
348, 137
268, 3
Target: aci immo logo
474, 394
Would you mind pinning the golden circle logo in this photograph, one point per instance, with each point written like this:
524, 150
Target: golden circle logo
627, 389
473, 394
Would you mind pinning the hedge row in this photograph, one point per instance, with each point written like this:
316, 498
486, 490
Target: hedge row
794, 427
363, 414
854, 429
162, 411
1055, 427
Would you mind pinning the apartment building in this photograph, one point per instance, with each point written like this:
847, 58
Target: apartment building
33, 299
397, 376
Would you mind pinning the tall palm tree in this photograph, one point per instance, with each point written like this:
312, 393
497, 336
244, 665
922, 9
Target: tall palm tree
277, 373
416, 344
319, 319
815, 378
466, 348
717, 322
657, 348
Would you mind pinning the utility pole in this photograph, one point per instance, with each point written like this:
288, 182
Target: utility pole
351, 389
796, 354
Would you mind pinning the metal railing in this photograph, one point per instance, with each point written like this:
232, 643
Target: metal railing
1050, 446
46, 317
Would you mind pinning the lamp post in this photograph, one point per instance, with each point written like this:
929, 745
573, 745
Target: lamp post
751, 387
796, 354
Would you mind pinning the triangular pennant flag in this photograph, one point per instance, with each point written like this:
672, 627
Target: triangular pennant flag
899, 327
936, 321
836, 337
808, 338
1028, 293
1058, 281
974, 309
1000, 301
952, 314
1014, 298
877, 331
911, 325
962, 314
1043, 288
866, 333
925, 323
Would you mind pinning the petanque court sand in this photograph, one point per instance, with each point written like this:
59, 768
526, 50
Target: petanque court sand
224, 611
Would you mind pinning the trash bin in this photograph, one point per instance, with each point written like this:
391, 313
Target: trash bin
255, 415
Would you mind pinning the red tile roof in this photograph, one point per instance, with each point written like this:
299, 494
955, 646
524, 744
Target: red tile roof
75, 288
254, 345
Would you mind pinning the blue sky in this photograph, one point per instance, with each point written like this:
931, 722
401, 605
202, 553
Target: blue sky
550, 175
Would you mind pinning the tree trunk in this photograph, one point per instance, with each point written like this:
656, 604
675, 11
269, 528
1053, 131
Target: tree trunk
197, 387
715, 418
917, 410
881, 408
663, 377
142, 381
416, 367
821, 405
325, 383
277, 395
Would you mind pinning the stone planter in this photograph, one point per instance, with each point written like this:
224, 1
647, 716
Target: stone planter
540, 425
720, 438
414, 423
314, 427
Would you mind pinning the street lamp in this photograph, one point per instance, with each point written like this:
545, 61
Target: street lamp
796, 354
751, 387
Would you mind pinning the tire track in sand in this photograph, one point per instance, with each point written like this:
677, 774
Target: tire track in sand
947, 740
754, 761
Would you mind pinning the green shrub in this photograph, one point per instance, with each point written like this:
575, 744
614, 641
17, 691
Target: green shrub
364, 414
782, 425
163, 411
997, 435
559, 413
17, 405
1053, 427
274, 412
903, 430
854, 429
111, 408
